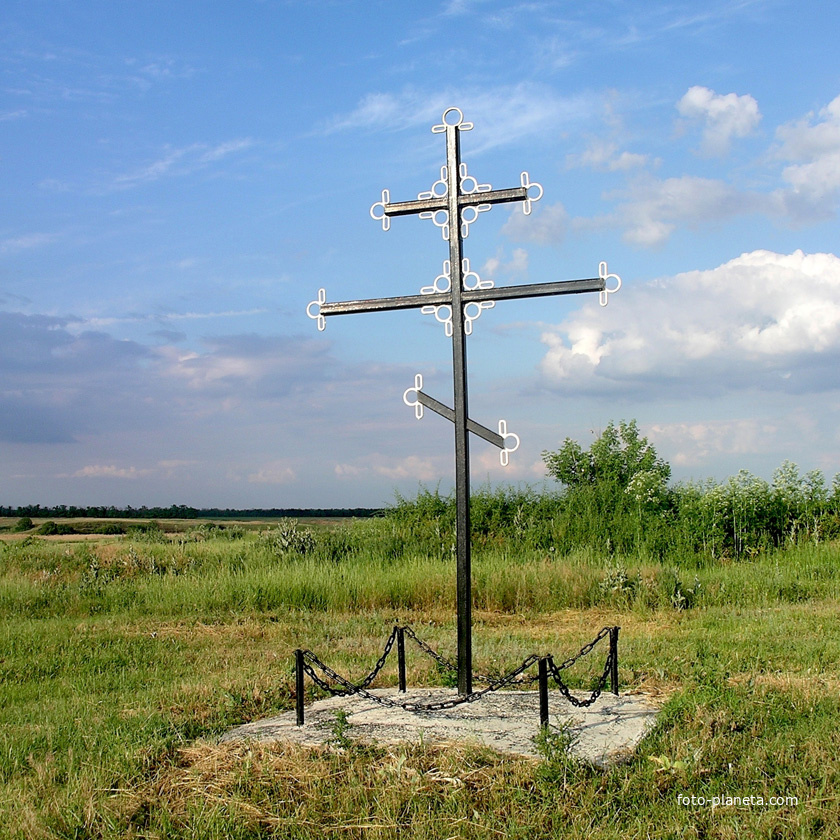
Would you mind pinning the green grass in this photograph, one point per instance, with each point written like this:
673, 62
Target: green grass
121, 661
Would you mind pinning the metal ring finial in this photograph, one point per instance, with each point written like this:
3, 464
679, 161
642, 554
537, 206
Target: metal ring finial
604, 294
439, 218
442, 312
384, 218
525, 180
415, 403
442, 283
321, 320
450, 123
439, 189
504, 455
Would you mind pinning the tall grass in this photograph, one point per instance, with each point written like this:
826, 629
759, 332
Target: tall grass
388, 564
115, 657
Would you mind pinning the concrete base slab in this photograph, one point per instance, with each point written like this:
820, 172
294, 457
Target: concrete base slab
604, 733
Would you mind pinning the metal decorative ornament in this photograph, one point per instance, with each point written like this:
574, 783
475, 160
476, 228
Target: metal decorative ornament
457, 297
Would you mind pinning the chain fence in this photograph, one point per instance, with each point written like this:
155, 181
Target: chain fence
330, 681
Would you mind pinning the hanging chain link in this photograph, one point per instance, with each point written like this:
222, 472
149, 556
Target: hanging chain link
564, 689
451, 666
605, 631
381, 663
410, 706
514, 677
351, 687
444, 663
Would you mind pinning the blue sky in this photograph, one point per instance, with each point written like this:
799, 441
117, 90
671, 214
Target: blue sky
179, 179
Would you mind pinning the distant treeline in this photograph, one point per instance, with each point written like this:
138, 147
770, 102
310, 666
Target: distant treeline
177, 512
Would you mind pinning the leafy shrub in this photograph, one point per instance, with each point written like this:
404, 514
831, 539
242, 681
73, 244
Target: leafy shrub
23, 524
288, 538
213, 530
683, 597
617, 584
146, 532
111, 528
50, 529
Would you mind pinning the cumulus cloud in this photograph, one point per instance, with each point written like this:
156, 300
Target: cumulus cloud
724, 117
497, 268
651, 209
277, 472
263, 366
812, 146
693, 443
763, 321
604, 156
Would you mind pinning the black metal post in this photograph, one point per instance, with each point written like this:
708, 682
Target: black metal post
401, 656
614, 660
462, 441
543, 680
299, 686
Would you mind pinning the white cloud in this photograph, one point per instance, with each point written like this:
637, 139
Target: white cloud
506, 114
110, 471
692, 443
604, 156
546, 225
225, 149
724, 117
274, 473
654, 208
26, 241
812, 145
497, 267
412, 467
245, 365
181, 161
763, 321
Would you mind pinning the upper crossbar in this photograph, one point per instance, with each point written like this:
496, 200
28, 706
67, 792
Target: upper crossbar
425, 205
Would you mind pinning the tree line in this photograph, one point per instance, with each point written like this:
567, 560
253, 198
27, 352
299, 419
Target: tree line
175, 512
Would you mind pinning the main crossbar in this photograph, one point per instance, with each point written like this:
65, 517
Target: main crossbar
561, 287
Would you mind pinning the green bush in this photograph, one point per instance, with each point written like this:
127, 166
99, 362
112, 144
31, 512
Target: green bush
23, 524
50, 529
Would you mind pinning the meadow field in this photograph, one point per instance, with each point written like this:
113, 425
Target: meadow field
123, 657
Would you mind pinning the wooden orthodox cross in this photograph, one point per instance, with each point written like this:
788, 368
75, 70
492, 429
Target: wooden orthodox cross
457, 298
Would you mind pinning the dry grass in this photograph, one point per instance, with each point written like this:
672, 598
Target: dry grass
319, 789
